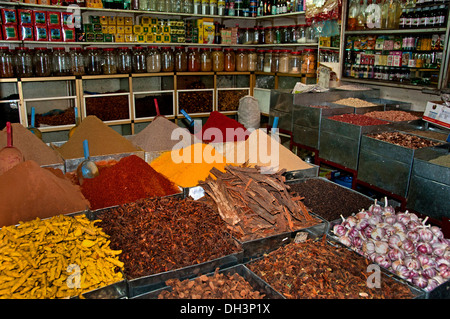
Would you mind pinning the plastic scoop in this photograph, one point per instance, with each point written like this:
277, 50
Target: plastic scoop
9, 155
157, 108
188, 118
77, 122
87, 168
32, 127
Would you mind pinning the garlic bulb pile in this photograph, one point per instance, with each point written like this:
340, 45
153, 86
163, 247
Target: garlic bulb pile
400, 242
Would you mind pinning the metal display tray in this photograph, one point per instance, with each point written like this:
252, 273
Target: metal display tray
340, 141
361, 110
72, 164
423, 127
255, 281
386, 165
391, 104
257, 247
429, 187
302, 173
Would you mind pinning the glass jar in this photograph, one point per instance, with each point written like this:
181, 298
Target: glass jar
42, 62
161, 5
275, 61
252, 60
230, 60
93, 61
167, 59
61, 62
267, 61
124, 60
6, 63
205, 60
309, 61
260, 60
109, 65
241, 60
193, 60
262, 35
77, 61
283, 66
181, 59
256, 35
153, 60
248, 36
276, 35
139, 60
269, 35
295, 62
218, 60
23, 62
310, 34
301, 33
294, 33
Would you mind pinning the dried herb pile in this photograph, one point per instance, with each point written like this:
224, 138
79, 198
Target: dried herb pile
162, 234
255, 205
329, 200
218, 286
318, 270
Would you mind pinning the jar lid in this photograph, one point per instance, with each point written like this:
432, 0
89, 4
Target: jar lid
277, 27
59, 49
228, 49
40, 48
179, 48
251, 50
310, 50
240, 50
76, 48
138, 48
217, 49
22, 48
296, 52
204, 49
108, 49
269, 27
91, 48
285, 51
123, 48
165, 48
269, 51
4, 48
260, 50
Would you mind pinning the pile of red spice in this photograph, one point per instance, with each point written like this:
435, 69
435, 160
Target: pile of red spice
358, 119
127, 181
229, 129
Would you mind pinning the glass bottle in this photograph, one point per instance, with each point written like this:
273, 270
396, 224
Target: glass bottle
167, 59
260, 60
153, 60
267, 61
394, 8
384, 14
252, 60
205, 60
248, 36
181, 59
269, 35
193, 60
42, 62
143, 5
124, 60
161, 5
241, 60
276, 35
139, 60
310, 34
152, 5
229, 60
361, 18
93, 61
23, 62
301, 33
218, 60
6, 63
295, 62
353, 12
109, 64
283, 65
60, 62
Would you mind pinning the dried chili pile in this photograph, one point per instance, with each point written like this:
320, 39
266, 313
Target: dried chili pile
229, 130
162, 234
128, 180
358, 119
318, 270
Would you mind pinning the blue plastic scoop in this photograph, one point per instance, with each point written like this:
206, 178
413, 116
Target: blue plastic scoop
87, 168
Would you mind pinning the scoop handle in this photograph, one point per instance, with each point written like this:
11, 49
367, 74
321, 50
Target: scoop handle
157, 107
33, 116
8, 135
86, 149
187, 117
275, 123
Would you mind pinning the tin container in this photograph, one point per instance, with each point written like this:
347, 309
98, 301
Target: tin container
340, 142
256, 282
302, 173
118, 290
429, 186
385, 165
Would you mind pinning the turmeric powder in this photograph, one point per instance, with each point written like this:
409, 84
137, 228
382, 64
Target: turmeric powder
189, 165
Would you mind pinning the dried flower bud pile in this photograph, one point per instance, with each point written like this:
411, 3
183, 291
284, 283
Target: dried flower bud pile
40, 258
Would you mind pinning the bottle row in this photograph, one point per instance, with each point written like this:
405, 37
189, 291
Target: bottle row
43, 62
386, 73
395, 14
427, 42
431, 60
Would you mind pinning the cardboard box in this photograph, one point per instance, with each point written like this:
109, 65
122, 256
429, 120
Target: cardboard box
120, 20
99, 37
40, 17
208, 32
89, 36
53, 19
97, 27
94, 19
105, 29
108, 37
9, 16
55, 34
141, 38
128, 21
112, 20
129, 38
120, 29
120, 37
68, 34
70, 20
10, 32
137, 29
104, 20
145, 21
25, 17
128, 29
438, 113
40, 33
112, 29
26, 33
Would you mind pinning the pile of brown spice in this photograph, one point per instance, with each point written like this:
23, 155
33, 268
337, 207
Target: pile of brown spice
102, 139
217, 286
318, 270
405, 140
393, 115
162, 234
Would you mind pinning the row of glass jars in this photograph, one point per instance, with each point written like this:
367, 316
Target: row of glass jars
24, 62
300, 33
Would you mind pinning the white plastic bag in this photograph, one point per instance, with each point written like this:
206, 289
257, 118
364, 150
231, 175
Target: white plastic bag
249, 113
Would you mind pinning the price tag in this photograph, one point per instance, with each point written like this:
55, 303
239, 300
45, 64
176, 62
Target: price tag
196, 192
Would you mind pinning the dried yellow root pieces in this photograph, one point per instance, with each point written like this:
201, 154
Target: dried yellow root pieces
58, 257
